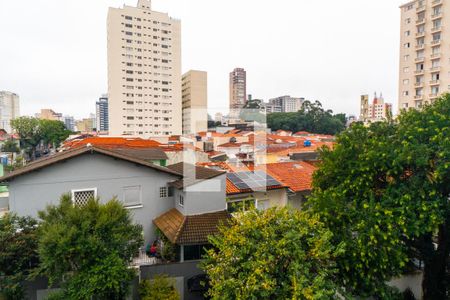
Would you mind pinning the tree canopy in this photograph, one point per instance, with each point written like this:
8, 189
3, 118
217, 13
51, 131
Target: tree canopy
273, 254
311, 118
33, 132
18, 255
384, 191
159, 288
87, 249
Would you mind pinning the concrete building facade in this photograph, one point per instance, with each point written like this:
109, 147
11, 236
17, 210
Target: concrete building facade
424, 68
286, 103
69, 122
9, 109
238, 90
195, 101
376, 111
49, 114
144, 72
101, 114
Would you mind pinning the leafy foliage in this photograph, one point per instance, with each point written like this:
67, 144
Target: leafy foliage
88, 249
384, 191
10, 146
18, 255
312, 118
159, 288
275, 254
33, 131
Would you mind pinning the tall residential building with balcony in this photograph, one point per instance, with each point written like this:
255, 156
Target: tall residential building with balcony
9, 109
101, 114
238, 91
144, 72
424, 55
195, 101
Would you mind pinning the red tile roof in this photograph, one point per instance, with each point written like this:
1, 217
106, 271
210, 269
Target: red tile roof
296, 175
111, 142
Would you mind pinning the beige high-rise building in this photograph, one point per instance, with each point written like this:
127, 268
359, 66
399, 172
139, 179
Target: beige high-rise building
144, 72
49, 114
238, 90
424, 55
9, 109
195, 101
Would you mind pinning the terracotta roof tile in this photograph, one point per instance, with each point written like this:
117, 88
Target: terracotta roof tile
296, 175
190, 230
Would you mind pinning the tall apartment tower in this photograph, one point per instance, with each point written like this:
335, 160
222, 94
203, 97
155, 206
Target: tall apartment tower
424, 58
238, 90
9, 109
364, 114
195, 101
101, 114
144, 72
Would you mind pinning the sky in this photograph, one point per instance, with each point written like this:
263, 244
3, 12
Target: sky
53, 52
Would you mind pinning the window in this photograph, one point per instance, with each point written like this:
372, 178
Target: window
81, 197
406, 81
405, 69
407, 45
163, 192
405, 93
241, 205
406, 57
132, 196
181, 200
407, 33
408, 21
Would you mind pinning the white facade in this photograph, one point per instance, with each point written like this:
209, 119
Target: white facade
9, 109
424, 56
144, 72
286, 103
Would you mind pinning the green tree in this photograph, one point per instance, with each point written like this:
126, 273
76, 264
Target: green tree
53, 132
87, 249
10, 146
384, 191
312, 118
275, 254
18, 255
30, 134
159, 288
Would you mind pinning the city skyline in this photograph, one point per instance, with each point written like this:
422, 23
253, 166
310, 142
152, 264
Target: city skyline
73, 85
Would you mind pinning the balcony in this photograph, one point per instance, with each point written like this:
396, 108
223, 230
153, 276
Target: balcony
436, 3
433, 96
420, 21
420, 46
418, 84
436, 16
418, 72
436, 29
420, 9
435, 55
419, 59
435, 69
418, 97
436, 42
420, 34
434, 82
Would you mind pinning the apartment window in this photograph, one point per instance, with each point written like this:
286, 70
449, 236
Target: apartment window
181, 200
437, 23
419, 79
163, 192
435, 90
436, 63
420, 41
406, 57
82, 197
128, 18
435, 76
419, 67
436, 50
408, 21
128, 25
437, 10
407, 33
409, 7
420, 54
437, 37
405, 93
421, 29
128, 33
132, 196
406, 81
407, 45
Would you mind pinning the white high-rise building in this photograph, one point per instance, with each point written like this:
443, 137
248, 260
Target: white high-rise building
9, 109
424, 56
144, 72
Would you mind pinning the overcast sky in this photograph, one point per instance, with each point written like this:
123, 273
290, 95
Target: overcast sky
53, 52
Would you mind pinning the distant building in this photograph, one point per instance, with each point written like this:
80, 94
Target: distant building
272, 108
195, 101
69, 122
378, 110
218, 117
9, 109
238, 90
102, 116
48, 114
144, 72
85, 125
287, 104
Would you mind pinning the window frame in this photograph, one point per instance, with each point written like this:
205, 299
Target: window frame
82, 190
132, 205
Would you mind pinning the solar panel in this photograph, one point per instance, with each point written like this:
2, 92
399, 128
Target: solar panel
258, 180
